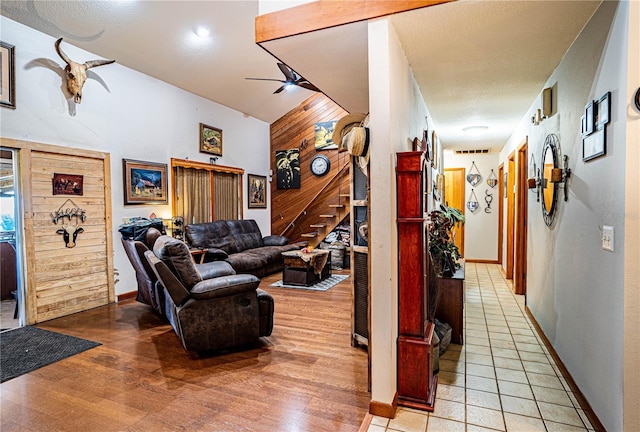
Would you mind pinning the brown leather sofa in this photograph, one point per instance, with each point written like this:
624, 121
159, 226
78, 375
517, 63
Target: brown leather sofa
209, 306
241, 244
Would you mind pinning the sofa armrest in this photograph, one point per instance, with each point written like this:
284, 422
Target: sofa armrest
224, 286
214, 254
275, 240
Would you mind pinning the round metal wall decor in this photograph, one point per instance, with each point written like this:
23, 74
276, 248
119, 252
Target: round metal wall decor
550, 159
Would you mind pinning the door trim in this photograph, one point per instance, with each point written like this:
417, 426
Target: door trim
520, 277
510, 213
500, 211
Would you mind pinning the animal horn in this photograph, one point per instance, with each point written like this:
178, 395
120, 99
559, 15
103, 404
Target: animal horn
61, 53
94, 63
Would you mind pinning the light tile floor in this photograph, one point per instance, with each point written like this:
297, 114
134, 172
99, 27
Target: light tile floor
502, 378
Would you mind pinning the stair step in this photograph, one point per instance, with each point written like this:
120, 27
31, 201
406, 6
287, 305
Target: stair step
336, 205
327, 216
309, 235
318, 226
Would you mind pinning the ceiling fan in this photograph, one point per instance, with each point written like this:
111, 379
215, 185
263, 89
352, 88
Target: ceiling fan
292, 78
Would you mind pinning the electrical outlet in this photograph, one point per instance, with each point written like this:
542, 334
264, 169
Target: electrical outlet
607, 238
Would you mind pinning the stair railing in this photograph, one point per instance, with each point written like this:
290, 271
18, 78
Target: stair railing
304, 210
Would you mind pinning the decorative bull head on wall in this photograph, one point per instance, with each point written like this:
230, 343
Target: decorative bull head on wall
76, 72
71, 230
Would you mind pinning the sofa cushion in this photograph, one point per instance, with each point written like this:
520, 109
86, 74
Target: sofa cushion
175, 253
246, 262
246, 234
211, 235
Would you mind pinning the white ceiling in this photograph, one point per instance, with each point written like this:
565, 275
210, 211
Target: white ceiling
476, 62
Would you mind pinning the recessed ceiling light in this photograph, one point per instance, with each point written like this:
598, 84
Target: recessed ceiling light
202, 32
475, 131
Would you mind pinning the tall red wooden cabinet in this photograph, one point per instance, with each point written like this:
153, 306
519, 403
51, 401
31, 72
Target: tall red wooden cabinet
416, 382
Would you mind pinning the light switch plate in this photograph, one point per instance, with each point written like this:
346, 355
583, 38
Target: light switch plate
607, 238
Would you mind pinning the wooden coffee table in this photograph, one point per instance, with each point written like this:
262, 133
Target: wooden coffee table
306, 269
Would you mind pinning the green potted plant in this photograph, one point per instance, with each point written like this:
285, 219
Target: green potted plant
443, 250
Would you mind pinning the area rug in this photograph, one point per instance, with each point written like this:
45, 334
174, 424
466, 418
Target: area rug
324, 285
29, 348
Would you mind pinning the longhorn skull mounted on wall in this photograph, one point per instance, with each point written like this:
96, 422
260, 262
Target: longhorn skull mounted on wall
76, 72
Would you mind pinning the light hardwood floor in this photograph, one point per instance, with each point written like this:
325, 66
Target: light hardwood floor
305, 377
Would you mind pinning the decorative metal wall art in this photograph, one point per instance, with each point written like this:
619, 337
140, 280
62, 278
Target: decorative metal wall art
492, 180
472, 203
474, 178
488, 198
75, 215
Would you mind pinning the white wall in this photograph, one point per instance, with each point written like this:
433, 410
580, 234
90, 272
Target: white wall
397, 115
480, 228
574, 288
631, 341
127, 114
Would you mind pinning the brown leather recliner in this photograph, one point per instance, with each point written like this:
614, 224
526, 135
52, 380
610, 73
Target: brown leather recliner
146, 278
209, 306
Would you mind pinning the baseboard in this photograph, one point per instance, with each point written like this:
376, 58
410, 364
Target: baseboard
481, 261
595, 422
383, 409
366, 422
126, 296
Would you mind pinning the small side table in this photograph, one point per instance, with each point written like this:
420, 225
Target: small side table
198, 252
299, 267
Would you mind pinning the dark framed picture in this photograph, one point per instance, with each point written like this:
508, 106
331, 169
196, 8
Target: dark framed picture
7, 76
67, 184
288, 169
210, 140
257, 191
594, 145
603, 111
144, 182
323, 135
589, 119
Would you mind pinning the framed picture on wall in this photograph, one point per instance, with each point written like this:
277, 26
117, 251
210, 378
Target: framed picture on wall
257, 191
7, 76
288, 169
323, 135
67, 184
144, 182
210, 140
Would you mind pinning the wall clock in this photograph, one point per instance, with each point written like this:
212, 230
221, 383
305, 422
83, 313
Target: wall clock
320, 165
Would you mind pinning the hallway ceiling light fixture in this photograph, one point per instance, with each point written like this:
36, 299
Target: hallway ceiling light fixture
202, 32
475, 131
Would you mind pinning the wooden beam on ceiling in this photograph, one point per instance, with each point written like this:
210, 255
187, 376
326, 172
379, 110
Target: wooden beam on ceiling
323, 14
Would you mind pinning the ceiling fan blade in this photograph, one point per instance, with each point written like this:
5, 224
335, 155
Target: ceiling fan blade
288, 73
308, 86
265, 79
279, 90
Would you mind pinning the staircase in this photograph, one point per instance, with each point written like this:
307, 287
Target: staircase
325, 211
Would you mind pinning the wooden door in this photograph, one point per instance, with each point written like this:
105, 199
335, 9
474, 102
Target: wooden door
510, 214
454, 193
62, 280
501, 189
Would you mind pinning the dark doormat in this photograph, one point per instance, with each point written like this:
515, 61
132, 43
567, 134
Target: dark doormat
26, 349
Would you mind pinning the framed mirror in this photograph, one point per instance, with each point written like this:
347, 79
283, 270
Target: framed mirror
550, 160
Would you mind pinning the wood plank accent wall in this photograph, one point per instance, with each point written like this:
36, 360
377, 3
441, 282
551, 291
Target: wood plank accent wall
60, 280
288, 132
